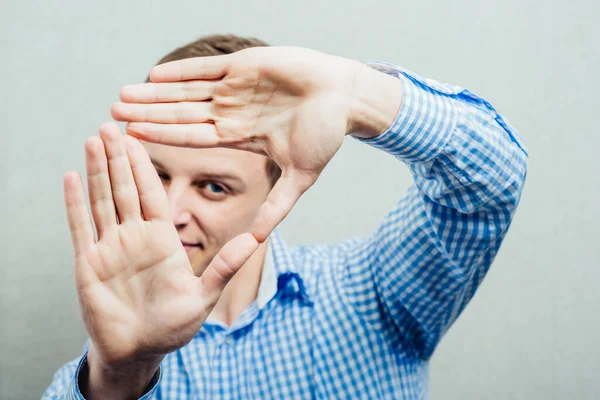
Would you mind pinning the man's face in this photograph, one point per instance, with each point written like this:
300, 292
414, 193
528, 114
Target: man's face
214, 195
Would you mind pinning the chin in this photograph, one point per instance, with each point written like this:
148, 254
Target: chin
199, 261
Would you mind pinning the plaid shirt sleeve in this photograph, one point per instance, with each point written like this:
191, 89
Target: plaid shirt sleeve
424, 263
65, 386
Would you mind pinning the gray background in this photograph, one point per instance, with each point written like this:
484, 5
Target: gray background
531, 331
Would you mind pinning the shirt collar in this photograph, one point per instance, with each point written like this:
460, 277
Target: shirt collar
268, 280
279, 273
279, 277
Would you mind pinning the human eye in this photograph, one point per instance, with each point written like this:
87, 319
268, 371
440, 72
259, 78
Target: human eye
213, 190
215, 187
163, 175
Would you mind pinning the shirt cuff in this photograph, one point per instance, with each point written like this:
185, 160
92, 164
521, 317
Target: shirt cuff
425, 121
75, 393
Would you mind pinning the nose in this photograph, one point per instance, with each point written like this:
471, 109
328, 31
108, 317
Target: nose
176, 196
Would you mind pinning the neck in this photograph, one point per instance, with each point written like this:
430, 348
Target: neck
241, 290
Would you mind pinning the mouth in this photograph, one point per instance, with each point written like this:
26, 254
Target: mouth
189, 247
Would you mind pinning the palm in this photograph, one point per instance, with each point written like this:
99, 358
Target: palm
137, 292
139, 278
272, 97
279, 102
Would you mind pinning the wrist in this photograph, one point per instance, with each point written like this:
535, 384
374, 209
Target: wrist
375, 102
126, 380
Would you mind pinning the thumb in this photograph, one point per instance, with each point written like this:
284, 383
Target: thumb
279, 203
225, 264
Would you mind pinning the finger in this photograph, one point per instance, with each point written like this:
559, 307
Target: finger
279, 203
225, 264
78, 217
99, 191
153, 198
124, 191
188, 135
167, 92
163, 113
214, 67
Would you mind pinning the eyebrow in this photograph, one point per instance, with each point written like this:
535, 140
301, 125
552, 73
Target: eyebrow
206, 175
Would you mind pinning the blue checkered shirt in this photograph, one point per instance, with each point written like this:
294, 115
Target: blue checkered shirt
361, 319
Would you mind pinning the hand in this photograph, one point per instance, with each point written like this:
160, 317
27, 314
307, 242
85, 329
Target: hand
138, 295
291, 104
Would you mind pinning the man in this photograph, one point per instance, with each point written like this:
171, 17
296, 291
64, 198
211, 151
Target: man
166, 316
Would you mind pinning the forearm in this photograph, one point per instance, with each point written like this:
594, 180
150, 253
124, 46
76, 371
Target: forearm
128, 381
448, 135
469, 167
375, 101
